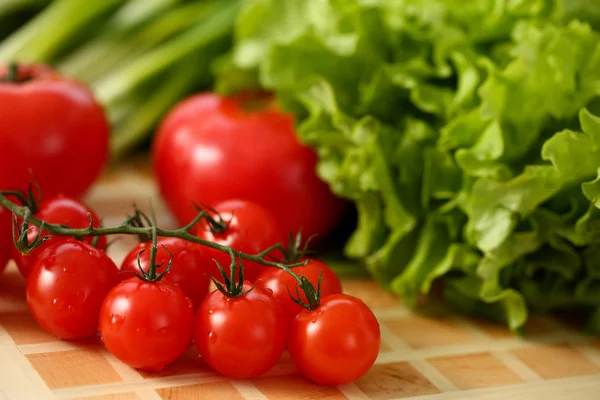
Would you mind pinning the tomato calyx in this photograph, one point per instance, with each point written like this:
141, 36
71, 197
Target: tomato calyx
140, 220
295, 251
15, 74
151, 275
20, 234
232, 287
32, 199
215, 225
313, 296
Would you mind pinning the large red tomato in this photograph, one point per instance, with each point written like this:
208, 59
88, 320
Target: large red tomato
52, 129
210, 149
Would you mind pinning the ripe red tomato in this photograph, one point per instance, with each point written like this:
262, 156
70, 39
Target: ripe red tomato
51, 127
146, 325
240, 337
188, 269
210, 149
279, 281
66, 288
6, 241
251, 230
337, 343
57, 210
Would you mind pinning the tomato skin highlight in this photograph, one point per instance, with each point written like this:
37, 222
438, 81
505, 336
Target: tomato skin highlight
66, 288
241, 337
251, 230
54, 127
337, 343
188, 269
209, 149
146, 325
62, 210
6, 241
279, 281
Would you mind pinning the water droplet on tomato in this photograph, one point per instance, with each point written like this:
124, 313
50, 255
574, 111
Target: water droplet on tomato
212, 337
55, 301
314, 320
69, 269
117, 320
269, 291
212, 310
164, 291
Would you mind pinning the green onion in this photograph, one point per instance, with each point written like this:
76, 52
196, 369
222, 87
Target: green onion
124, 80
133, 129
42, 37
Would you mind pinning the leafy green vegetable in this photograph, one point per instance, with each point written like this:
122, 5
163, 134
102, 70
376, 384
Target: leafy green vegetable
466, 133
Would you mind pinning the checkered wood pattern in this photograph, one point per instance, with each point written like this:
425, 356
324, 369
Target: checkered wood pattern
431, 355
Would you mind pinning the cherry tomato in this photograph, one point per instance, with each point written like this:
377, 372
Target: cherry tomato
279, 281
211, 148
6, 241
337, 343
66, 288
146, 325
188, 269
251, 230
57, 210
53, 128
240, 337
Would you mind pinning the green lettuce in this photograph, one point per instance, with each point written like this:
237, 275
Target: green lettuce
467, 134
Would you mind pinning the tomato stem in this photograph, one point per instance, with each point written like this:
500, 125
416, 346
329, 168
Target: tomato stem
215, 225
127, 228
232, 287
151, 275
139, 224
20, 234
12, 73
313, 296
295, 251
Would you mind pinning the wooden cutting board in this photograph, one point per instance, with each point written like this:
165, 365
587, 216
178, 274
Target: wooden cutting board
432, 355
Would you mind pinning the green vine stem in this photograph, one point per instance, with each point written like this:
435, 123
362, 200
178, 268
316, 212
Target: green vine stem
12, 73
139, 224
148, 231
234, 286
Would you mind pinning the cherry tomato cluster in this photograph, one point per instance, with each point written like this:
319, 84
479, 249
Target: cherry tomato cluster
157, 304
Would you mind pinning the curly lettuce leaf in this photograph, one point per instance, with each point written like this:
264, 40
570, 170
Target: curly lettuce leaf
465, 134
